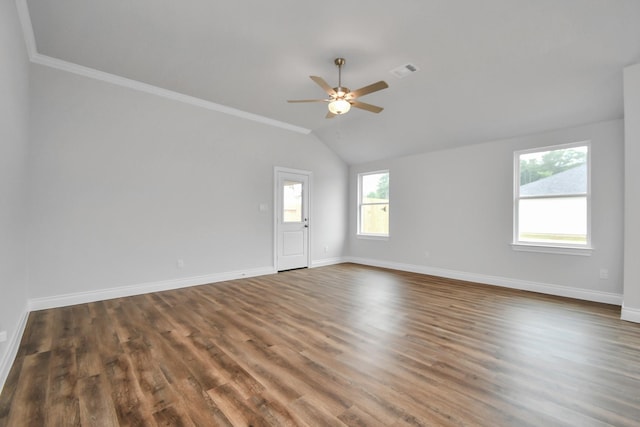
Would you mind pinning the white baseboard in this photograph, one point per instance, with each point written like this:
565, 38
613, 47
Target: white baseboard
142, 288
630, 314
12, 349
327, 261
525, 285
118, 292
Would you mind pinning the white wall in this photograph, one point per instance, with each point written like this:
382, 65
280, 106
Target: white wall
457, 205
631, 309
14, 114
125, 183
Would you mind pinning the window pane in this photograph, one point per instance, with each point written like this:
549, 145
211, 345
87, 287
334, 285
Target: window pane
374, 203
374, 219
554, 172
375, 188
560, 220
292, 194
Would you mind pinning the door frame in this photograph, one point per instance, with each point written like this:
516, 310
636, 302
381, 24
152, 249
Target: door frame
276, 210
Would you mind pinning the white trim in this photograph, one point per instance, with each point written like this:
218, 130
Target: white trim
563, 250
372, 237
27, 28
359, 204
553, 147
155, 90
142, 288
12, 349
291, 170
555, 248
48, 61
630, 314
505, 282
276, 210
327, 261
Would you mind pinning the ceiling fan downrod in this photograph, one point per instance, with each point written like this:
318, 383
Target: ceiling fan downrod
339, 63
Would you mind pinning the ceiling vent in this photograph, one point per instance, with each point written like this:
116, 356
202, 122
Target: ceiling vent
404, 70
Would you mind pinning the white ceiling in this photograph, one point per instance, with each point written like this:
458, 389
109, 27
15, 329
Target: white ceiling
489, 69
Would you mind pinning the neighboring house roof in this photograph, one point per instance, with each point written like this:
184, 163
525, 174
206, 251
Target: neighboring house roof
571, 181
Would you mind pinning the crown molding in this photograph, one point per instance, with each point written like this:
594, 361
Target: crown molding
92, 73
48, 61
27, 28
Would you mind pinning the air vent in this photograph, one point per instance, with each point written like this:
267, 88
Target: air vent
404, 70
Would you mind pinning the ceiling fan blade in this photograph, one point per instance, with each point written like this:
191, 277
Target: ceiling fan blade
365, 106
374, 87
324, 85
330, 115
308, 100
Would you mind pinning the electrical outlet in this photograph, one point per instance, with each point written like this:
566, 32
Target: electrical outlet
180, 263
604, 273
3, 336
326, 249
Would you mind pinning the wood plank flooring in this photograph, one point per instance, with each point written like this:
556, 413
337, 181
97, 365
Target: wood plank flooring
332, 346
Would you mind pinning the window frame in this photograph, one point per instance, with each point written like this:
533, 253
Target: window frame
360, 204
547, 247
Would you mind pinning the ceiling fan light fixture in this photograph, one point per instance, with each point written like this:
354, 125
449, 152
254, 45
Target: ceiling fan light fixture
339, 106
342, 98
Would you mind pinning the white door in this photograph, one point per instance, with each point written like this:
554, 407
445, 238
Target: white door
292, 220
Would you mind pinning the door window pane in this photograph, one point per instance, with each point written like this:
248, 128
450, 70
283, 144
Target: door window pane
292, 201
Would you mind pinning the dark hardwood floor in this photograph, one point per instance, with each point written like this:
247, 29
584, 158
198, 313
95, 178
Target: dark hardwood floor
339, 345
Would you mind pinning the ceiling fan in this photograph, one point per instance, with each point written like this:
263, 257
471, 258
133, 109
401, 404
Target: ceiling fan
341, 99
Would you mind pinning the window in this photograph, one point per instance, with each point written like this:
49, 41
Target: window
551, 204
373, 204
292, 201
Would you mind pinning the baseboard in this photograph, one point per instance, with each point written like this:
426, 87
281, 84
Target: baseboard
12, 349
630, 314
165, 285
525, 285
142, 288
327, 261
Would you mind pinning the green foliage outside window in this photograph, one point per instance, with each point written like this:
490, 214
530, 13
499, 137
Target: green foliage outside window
382, 192
550, 163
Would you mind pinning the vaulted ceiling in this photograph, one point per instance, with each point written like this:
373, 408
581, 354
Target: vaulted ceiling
488, 69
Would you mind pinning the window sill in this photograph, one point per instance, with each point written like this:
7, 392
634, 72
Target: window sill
371, 237
550, 249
